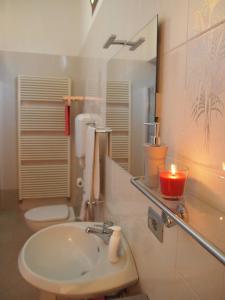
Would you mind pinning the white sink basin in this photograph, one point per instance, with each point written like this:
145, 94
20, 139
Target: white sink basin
65, 260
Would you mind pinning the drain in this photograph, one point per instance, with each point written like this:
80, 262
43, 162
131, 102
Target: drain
83, 273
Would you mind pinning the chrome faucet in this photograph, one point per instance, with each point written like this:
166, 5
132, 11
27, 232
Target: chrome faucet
101, 230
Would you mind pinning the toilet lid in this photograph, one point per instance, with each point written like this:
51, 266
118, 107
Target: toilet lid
48, 213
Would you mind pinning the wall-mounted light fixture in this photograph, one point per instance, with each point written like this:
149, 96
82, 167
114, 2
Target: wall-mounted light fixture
133, 45
93, 5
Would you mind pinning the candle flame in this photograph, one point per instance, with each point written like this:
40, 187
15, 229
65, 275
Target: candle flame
173, 169
223, 166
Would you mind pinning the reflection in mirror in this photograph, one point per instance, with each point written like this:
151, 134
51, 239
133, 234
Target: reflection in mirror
131, 98
93, 5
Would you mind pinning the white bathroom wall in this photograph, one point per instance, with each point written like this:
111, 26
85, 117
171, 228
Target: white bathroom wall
52, 26
192, 116
12, 64
87, 18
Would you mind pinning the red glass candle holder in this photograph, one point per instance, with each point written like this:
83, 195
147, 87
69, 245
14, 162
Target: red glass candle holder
172, 181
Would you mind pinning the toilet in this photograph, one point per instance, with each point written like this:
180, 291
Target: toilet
44, 216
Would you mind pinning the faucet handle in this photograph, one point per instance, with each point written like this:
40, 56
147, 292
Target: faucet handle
105, 226
108, 224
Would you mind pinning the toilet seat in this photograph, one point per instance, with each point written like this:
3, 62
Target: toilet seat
48, 213
44, 216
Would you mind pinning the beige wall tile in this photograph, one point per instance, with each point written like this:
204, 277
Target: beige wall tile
202, 272
207, 184
205, 104
207, 220
204, 121
204, 14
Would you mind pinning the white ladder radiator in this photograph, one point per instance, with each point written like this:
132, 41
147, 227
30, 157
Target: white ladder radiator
43, 149
118, 106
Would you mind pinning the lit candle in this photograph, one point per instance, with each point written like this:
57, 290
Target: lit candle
172, 182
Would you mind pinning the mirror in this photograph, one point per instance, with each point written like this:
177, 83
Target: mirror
131, 98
